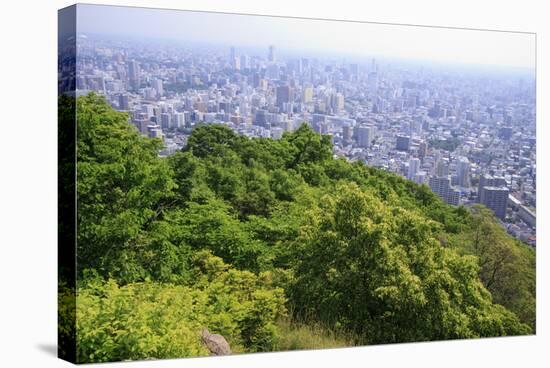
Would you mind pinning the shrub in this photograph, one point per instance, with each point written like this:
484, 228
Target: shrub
161, 320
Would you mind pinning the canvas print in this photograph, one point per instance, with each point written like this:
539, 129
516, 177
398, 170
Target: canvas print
233, 184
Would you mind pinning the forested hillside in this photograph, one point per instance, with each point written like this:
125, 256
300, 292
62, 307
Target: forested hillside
275, 245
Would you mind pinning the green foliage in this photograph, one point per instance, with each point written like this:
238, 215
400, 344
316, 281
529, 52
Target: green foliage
121, 185
212, 226
271, 154
225, 232
380, 271
298, 336
66, 320
506, 267
182, 87
256, 197
212, 141
189, 174
161, 320
308, 146
445, 144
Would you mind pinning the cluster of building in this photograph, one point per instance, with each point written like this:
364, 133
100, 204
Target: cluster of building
468, 134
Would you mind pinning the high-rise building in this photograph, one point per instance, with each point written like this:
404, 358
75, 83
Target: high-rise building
224, 106
307, 95
463, 172
263, 85
346, 133
354, 69
134, 75
403, 143
245, 62
260, 118
272, 71
148, 109
179, 120
294, 66
284, 95
123, 102
489, 181
420, 177
365, 135
441, 168
414, 166
305, 64
528, 216
435, 111
422, 150
234, 60
236, 63
415, 126
141, 121
155, 131
337, 102
441, 185
165, 120
158, 86
256, 80
495, 198
453, 197
271, 54
372, 82
505, 133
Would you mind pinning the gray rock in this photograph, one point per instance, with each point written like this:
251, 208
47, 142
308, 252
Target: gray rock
215, 343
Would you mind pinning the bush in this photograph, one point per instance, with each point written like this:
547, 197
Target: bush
379, 271
149, 320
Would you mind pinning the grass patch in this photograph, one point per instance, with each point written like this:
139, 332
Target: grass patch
300, 336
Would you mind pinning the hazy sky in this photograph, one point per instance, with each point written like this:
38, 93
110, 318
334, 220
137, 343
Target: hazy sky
407, 42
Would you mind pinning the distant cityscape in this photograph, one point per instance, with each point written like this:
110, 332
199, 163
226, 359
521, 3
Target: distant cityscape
466, 133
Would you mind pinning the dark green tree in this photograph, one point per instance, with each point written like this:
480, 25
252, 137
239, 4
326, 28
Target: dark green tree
122, 186
506, 267
380, 271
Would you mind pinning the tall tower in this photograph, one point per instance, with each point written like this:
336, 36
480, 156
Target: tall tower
463, 172
158, 86
414, 166
271, 55
133, 74
234, 61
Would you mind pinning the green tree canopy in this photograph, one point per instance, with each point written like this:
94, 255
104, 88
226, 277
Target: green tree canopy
122, 184
380, 271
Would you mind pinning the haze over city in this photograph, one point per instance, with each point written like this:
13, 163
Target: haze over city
437, 44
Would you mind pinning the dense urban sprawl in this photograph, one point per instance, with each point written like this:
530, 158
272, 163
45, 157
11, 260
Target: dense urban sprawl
468, 133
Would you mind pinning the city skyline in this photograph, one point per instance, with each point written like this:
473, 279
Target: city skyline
404, 42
